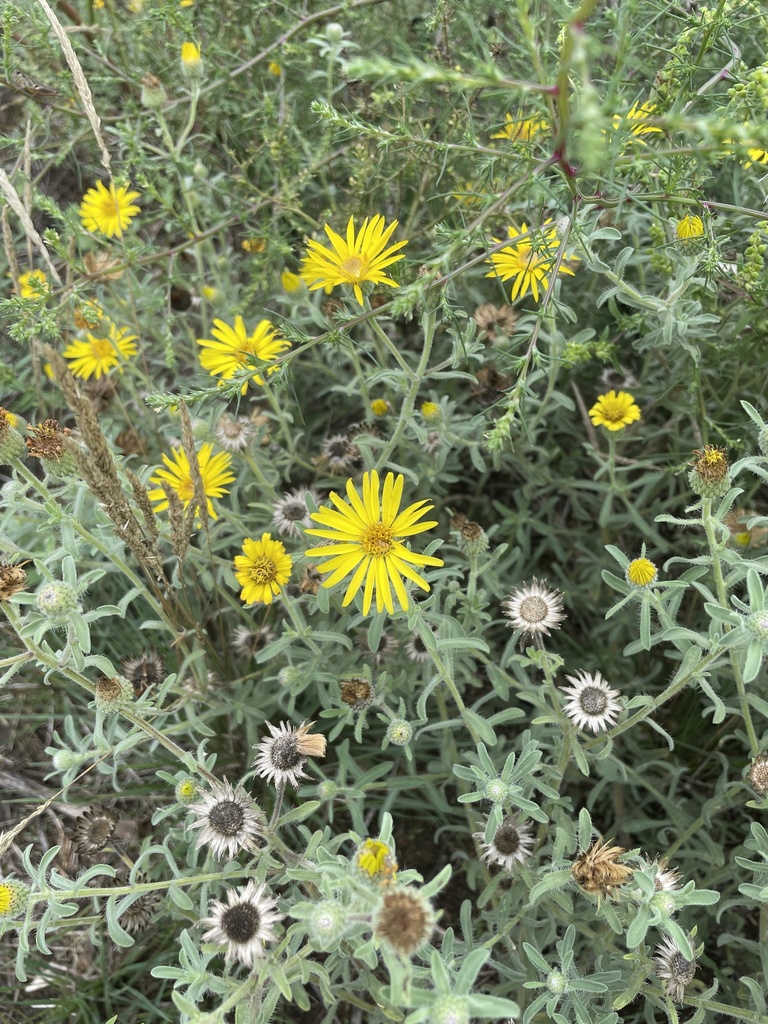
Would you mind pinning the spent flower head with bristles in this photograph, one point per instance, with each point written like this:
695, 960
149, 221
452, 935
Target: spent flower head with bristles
12, 579
367, 534
593, 704
282, 756
403, 919
599, 872
228, 819
94, 830
359, 258
249, 640
758, 774
710, 476
511, 844
234, 434
143, 670
262, 570
290, 513
674, 969
356, 693
533, 608
244, 923
111, 694
339, 455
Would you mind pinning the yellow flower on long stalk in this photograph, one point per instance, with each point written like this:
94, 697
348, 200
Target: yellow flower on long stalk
262, 570
233, 349
95, 357
521, 129
214, 472
367, 535
361, 256
614, 410
529, 261
690, 227
108, 210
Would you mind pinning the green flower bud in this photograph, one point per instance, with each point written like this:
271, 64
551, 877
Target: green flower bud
57, 600
400, 732
327, 924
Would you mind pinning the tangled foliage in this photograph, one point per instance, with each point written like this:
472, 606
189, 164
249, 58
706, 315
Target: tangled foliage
383, 511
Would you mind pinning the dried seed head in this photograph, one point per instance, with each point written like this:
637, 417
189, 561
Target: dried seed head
112, 693
46, 440
473, 539
94, 830
598, 871
12, 579
490, 319
758, 774
404, 920
357, 693
144, 670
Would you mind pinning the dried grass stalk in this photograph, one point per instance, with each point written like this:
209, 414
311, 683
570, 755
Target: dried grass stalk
15, 203
83, 89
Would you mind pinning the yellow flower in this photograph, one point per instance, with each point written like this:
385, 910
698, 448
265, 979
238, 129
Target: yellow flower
254, 244
614, 410
361, 257
190, 55
430, 411
690, 227
88, 314
290, 282
529, 261
367, 541
380, 407
108, 210
636, 121
33, 285
95, 357
233, 349
375, 858
209, 292
756, 156
214, 471
642, 572
14, 896
274, 68
521, 129
262, 570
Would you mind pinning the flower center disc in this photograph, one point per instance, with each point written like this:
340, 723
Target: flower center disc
377, 540
593, 701
102, 348
263, 570
533, 609
354, 266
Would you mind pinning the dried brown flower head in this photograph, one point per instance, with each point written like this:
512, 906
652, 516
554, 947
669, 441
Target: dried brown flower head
94, 830
490, 319
12, 578
356, 693
309, 745
403, 919
339, 455
144, 670
598, 871
711, 463
490, 385
310, 581
758, 774
46, 440
99, 264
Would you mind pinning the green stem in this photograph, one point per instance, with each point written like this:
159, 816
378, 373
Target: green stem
406, 410
428, 639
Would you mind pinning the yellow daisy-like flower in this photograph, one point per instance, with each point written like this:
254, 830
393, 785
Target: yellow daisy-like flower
380, 407
274, 68
614, 410
214, 471
521, 129
690, 227
367, 542
529, 261
636, 120
756, 156
361, 257
95, 357
190, 55
291, 282
262, 570
232, 349
642, 572
374, 858
108, 210
33, 285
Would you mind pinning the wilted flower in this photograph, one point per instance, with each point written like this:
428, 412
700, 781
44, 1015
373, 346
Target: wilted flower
674, 969
282, 756
403, 919
599, 872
